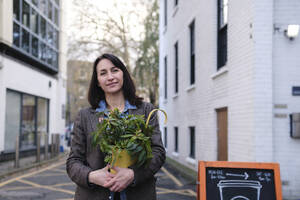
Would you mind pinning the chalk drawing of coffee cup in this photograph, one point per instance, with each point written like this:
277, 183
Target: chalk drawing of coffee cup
239, 189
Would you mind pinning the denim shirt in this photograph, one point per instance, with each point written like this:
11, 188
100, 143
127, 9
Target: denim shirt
103, 108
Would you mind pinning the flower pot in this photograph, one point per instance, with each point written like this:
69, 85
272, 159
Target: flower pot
121, 159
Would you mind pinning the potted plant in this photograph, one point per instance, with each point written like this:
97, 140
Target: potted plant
125, 139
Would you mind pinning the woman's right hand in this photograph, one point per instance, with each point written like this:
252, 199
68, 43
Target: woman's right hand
100, 176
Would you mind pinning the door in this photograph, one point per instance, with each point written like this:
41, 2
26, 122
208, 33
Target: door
222, 134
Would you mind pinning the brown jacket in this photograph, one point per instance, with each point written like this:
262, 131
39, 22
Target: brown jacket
85, 158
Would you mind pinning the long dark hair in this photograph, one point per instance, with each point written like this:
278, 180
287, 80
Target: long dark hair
96, 93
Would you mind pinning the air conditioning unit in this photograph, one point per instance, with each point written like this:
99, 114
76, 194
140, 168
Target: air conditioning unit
295, 125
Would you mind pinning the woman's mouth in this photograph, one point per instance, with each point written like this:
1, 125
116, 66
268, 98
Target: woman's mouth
111, 84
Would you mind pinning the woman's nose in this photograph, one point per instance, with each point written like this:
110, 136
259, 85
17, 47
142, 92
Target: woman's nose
110, 76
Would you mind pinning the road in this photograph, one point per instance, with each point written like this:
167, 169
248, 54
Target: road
52, 182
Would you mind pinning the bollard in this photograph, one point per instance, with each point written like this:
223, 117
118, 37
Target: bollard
17, 163
46, 146
57, 143
52, 146
38, 148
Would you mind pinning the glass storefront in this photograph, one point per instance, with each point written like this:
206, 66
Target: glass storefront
26, 116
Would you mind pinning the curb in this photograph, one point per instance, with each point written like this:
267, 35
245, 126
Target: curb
30, 166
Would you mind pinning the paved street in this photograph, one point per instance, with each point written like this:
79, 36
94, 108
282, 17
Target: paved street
52, 182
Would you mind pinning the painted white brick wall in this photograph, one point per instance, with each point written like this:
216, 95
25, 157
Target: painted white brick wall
261, 69
286, 73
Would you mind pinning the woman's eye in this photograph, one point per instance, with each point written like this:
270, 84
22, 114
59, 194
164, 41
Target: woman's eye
102, 73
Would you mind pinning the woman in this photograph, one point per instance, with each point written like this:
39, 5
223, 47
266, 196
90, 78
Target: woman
111, 87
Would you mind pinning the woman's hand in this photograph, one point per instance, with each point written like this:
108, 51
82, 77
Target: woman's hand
100, 176
122, 179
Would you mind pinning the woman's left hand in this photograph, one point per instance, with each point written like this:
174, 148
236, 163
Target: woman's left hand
122, 179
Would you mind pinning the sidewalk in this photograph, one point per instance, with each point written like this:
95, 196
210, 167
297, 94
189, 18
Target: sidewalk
7, 168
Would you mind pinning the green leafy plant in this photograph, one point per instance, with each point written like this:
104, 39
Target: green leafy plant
118, 132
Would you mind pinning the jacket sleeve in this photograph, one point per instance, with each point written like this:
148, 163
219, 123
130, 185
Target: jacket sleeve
77, 167
141, 174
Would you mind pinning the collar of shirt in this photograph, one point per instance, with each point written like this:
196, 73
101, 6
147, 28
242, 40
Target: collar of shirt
103, 108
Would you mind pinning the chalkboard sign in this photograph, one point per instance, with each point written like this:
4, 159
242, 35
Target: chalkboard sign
238, 181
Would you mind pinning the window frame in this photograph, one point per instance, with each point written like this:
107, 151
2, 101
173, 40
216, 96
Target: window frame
36, 107
192, 142
166, 77
176, 67
165, 13
222, 47
176, 139
165, 137
192, 53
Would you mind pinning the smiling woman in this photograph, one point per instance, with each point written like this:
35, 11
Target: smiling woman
110, 77
112, 87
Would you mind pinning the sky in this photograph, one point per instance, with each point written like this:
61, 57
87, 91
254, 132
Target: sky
114, 7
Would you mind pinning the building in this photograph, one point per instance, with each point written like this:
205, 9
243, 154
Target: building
32, 73
229, 76
79, 76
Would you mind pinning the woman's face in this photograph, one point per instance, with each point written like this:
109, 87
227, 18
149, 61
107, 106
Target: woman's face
110, 78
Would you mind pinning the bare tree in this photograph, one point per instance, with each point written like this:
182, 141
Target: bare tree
98, 30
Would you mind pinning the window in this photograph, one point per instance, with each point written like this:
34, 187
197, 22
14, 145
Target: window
192, 52
192, 142
56, 17
16, 35
176, 139
16, 9
34, 46
166, 12
35, 32
28, 121
34, 21
50, 8
175, 2
25, 40
176, 66
26, 115
12, 119
166, 138
25, 14
166, 77
222, 32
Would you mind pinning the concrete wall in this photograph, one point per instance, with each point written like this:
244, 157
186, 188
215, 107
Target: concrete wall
19, 76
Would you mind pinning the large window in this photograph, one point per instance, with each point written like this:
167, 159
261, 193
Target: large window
192, 53
35, 30
166, 77
175, 2
192, 142
176, 139
28, 121
222, 32
166, 12
26, 116
12, 119
166, 137
176, 66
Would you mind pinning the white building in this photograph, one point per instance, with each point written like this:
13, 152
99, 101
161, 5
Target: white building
32, 72
230, 78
